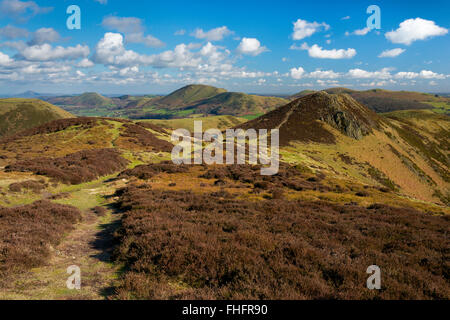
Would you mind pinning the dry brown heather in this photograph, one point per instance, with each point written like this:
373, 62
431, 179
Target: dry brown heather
191, 245
27, 232
33, 185
148, 171
75, 168
135, 136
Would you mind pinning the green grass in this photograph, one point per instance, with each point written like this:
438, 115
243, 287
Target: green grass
219, 122
440, 107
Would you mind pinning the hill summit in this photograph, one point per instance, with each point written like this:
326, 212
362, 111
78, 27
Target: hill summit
189, 95
17, 114
307, 118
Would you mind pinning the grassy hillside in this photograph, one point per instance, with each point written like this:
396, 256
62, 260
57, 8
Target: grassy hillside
373, 193
238, 104
381, 100
219, 122
188, 95
404, 151
18, 114
88, 99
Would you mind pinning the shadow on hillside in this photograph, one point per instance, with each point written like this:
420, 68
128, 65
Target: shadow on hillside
105, 243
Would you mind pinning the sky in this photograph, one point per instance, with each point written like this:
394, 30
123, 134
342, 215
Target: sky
266, 47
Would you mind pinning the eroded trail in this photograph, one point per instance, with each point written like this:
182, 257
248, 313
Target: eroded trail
88, 246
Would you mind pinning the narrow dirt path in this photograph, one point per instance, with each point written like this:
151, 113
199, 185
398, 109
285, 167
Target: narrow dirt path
89, 247
287, 116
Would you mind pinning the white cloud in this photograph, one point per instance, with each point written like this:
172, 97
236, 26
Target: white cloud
304, 29
110, 50
46, 52
5, 59
424, 74
297, 73
133, 29
325, 74
102, 1
251, 46
148, 40
216, 34
181, 32
11, 32
415, 29
345, 18
44, 35
85, 63
123, 24
391, 53
317, 52
363, 74
21, 9
359, 32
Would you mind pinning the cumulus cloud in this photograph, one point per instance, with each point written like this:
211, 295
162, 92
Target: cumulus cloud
324, 74
5, 59
216, 34
304, 29
44, 35
424, 74
148, 40
359, 32
110, 50
133, 29
415, 29
85, 63
46, 52
363, 74
251, 46
11, 32
391, 53
21, 10
297, 73
316, 51
123, 24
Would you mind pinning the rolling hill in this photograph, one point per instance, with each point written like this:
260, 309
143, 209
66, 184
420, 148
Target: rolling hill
381, 100
237, 104
88, 99
207, 100
188, 95
18, 114
353, 188
405, 151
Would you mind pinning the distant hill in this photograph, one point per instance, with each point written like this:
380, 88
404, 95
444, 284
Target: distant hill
208, 100
17, 114
238, 104
188, 95
88, 99
381, 100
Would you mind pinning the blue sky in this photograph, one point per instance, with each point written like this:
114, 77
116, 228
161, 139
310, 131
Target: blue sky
251, 46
